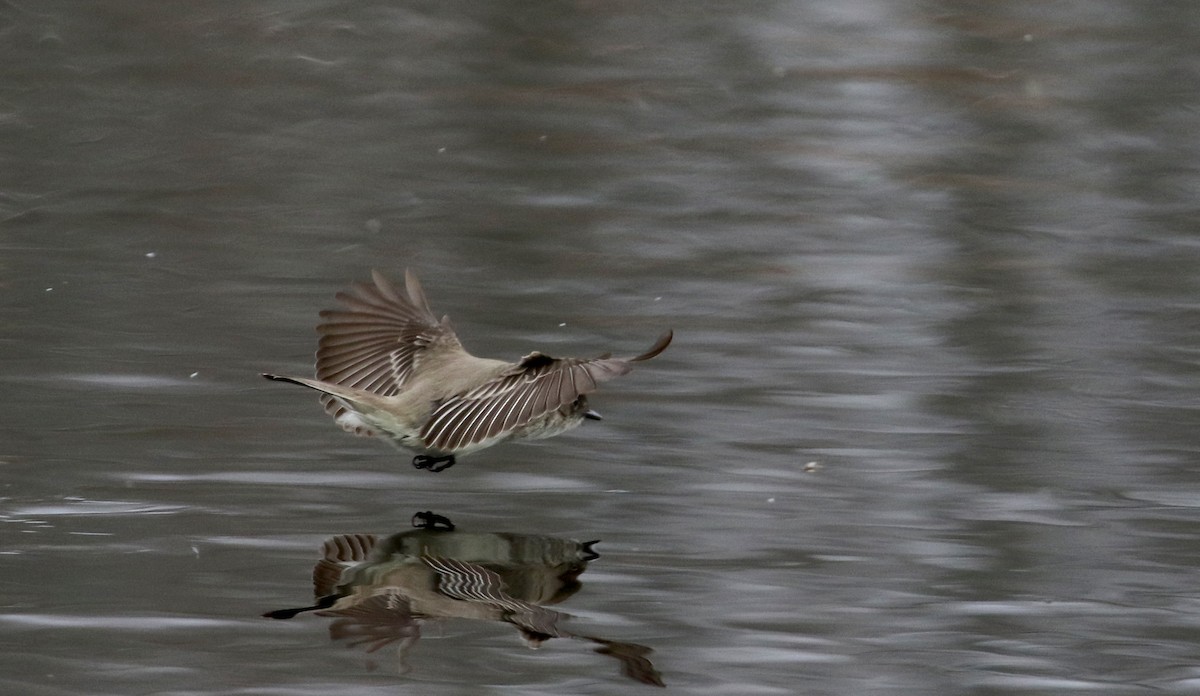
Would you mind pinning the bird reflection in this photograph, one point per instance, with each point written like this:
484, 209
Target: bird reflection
379, 592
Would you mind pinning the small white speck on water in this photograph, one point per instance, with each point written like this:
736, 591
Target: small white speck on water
196, 551
151, 254
1028, 37
541, 138
49, 289
194, 375
811, 466
770, 500
562, 324
658, 298
441, 150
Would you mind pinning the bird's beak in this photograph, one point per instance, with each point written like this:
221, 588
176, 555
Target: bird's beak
592, 415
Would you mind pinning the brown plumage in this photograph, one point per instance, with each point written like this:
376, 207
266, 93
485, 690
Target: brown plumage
388, 367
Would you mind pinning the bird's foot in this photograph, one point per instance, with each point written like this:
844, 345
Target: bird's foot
434, 464
432, 520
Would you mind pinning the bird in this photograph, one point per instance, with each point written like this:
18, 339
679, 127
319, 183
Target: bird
387, 367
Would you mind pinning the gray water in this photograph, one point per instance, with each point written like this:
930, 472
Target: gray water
929, 424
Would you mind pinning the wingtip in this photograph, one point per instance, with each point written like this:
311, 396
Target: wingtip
659, 346
416, 294
384, 286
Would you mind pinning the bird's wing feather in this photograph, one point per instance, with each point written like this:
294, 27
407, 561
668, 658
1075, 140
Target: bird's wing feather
533, 387
377, 341
471, 582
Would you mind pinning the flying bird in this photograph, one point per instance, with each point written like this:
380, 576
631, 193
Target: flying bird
388, 367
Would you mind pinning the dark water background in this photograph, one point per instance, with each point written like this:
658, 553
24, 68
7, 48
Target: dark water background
947, 251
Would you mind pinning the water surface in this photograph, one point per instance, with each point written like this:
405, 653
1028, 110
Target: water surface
928, 425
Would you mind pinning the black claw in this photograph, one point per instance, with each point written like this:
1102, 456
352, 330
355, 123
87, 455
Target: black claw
431, 520
434, 464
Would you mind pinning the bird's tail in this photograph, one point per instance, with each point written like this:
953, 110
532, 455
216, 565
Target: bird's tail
334, 390
310, 383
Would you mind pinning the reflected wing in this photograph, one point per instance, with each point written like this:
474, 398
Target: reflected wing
534, 387
374, 622
338, 554
471, 582
377, 341
634, 663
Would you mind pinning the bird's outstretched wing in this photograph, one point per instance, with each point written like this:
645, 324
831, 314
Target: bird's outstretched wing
533, 387
377, 341
340, 553
471, 582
